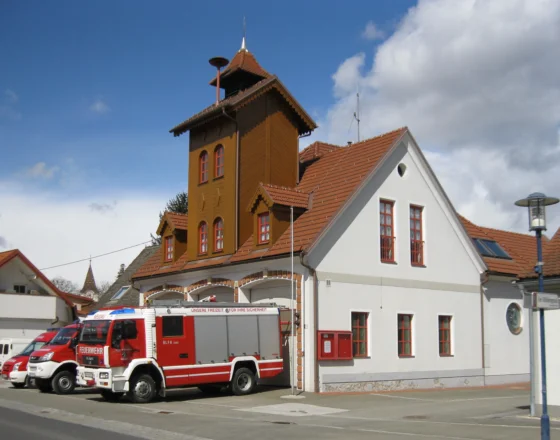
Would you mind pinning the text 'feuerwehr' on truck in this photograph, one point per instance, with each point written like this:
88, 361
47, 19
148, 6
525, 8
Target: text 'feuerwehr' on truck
175, 344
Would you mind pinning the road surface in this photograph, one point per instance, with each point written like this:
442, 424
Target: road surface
18, 425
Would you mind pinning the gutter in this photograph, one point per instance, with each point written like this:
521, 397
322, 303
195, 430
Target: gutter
236, 243
313, 273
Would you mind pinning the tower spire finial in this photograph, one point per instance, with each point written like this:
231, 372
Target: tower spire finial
243, 45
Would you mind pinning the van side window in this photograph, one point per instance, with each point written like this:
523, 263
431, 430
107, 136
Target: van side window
6, 349
172, 326
1, 348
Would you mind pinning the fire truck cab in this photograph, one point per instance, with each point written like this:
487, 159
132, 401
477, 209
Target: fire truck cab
175, 344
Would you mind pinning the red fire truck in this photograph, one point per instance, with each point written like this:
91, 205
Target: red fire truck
175, 344
54, 365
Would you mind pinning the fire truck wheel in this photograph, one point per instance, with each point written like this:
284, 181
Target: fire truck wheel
64, 382
111, 396
243, 382
142, 389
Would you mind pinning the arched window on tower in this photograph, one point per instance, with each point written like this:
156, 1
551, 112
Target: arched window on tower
203, 167
219, 161
203, 238
218, 235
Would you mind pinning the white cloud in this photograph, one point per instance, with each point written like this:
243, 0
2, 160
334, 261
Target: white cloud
99, 107
477, 85
41, 170
8, 109
52, 231
11, 96
371, 32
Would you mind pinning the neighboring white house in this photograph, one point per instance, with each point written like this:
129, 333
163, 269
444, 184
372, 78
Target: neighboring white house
29, 302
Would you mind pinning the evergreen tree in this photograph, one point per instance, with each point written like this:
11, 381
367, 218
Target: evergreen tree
178, 204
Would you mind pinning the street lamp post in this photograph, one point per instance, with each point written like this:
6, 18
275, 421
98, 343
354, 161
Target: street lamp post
536, 204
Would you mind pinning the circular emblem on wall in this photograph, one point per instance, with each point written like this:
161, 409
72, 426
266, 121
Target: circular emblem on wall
227, 310
513, 318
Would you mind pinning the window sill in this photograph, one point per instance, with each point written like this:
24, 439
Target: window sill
446, 355
202, 183
406, 356
219, 251
202, 255
361, 357
389, 262
417, 265
219, 177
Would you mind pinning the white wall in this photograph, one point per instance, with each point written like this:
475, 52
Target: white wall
383, 304
552, 330
23, 328
354, 243
28, 307
506, 354
14, 272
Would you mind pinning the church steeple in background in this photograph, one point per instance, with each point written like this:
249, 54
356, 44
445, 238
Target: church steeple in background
89, 288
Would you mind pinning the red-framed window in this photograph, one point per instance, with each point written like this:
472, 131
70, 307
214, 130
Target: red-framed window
264, 227
203, 167
386, 231
444, 324
405, 335
359, 334
416, 240
203, 238
219, 161
218, 235
168, 248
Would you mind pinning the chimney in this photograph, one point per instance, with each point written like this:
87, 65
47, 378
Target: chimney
218, 63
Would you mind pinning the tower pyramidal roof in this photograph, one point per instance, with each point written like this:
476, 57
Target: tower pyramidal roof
89, 282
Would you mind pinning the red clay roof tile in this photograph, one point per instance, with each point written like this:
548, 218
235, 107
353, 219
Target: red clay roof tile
242, 60
316, 150
330, 185
280, 195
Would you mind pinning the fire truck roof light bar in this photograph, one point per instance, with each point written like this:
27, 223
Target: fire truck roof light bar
121, 311
194, 304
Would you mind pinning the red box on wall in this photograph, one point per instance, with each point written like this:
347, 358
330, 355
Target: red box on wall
334, 345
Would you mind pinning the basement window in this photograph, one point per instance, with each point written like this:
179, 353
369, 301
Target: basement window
490, 248
19, 288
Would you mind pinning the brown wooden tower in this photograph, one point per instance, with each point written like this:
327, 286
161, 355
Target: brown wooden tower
248, 137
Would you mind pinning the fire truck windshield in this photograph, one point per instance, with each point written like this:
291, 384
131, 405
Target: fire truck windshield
35, 345
95, 332
63, 336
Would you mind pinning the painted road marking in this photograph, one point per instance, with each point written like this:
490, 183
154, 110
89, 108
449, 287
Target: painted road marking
293, 410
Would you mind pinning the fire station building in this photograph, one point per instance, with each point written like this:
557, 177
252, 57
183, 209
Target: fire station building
387, 278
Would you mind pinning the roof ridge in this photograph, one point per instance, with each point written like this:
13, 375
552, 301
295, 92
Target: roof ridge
288, 188
404, 127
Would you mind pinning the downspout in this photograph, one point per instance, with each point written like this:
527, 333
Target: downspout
483, 280
315, 316
236, 244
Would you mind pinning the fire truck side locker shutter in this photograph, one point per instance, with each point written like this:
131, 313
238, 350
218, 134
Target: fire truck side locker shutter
269, 337
243, 335
210, 339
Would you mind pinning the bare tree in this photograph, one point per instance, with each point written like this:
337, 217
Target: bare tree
65, 285
103, 287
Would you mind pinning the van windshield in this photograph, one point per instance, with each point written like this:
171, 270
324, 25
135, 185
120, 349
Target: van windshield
63, 336
95, 332
35, 345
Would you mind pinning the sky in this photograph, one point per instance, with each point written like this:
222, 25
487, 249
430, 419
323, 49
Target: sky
89, 91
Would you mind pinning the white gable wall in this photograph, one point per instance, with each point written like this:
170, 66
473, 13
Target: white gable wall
349, 258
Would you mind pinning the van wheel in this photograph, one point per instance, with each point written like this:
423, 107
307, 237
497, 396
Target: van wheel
142, 389
64, 382
243, 382
111, 396
43, 385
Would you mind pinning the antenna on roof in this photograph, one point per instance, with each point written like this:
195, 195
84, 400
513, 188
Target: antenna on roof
357, 114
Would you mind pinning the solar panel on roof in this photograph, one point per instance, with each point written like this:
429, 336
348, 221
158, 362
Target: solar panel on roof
490, 248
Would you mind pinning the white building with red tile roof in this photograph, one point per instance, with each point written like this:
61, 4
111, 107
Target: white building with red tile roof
29, 301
